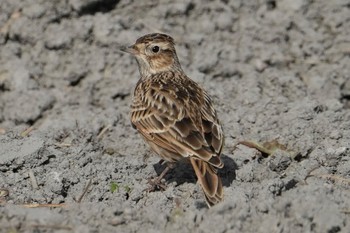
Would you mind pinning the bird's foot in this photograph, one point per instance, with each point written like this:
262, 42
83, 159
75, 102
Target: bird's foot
156, 184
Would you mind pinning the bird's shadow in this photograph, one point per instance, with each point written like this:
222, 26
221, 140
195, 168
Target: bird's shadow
183, 172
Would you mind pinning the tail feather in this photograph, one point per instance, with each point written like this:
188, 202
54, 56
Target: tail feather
209, 181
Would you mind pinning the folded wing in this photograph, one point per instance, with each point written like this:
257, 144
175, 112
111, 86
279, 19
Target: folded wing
186, 127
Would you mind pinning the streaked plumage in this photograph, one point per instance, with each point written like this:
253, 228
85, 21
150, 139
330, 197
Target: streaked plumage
174, 114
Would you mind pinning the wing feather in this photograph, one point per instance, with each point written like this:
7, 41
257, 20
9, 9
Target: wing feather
170, 123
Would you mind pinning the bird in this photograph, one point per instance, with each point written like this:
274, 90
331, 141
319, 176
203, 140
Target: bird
175, 115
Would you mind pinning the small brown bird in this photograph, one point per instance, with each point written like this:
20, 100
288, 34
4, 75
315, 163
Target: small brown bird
175, 115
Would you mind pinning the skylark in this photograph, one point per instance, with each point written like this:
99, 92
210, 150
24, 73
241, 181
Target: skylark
174, 114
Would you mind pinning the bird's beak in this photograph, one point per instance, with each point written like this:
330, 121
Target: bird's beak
130, 49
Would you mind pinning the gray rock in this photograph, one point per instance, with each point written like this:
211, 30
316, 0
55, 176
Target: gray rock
58, 36
13, 151
17, 109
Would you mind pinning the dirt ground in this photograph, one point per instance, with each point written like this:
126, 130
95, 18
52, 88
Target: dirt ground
278, 72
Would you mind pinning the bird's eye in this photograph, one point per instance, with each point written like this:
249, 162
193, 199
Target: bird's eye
155, 49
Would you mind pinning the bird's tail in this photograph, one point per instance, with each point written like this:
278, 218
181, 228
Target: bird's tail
209, 181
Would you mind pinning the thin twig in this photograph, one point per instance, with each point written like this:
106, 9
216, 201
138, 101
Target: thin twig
44, 205
63, 144
33, 179
57, 227
309, 173
103, 131
27, 131
85, 191
334, 178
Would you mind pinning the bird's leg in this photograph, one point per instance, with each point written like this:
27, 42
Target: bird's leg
156, 183
161, 161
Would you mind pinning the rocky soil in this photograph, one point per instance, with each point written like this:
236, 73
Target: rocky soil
278, 72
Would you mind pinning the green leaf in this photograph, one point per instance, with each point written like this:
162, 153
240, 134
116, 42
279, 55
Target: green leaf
114, 187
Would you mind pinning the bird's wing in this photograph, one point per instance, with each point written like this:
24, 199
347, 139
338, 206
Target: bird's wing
212, 129
176, 127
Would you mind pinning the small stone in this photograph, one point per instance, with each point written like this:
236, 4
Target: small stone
335, 134
57, 37
224, 21
35, 10
109, 150
260, 65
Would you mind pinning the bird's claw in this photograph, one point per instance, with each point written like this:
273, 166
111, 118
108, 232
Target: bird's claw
155, 184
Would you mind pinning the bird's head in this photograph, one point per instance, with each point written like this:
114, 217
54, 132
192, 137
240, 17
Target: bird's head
154, 53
